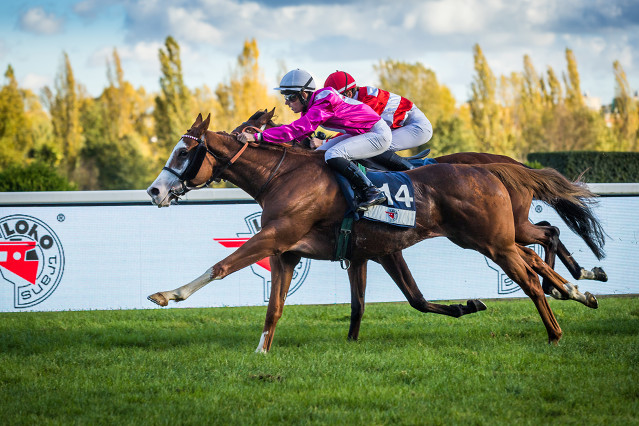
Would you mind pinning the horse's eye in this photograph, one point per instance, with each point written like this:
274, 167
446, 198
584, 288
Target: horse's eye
182, 153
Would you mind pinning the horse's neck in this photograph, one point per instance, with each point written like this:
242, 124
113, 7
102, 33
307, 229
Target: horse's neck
253, 169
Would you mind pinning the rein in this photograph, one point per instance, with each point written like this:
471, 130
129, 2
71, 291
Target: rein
197, 158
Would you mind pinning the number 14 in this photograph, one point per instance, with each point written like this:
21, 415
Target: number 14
401, 196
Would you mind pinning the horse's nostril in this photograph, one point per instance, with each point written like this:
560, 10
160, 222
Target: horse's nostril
154, 192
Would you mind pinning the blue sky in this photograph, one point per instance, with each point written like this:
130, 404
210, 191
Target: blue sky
320, 36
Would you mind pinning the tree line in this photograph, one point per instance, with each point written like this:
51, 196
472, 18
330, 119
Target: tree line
64, 138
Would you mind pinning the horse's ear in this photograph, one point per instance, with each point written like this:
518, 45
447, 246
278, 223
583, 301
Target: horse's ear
198, 121
269, 115
205, 125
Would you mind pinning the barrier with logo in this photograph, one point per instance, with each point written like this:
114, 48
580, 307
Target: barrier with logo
111, 249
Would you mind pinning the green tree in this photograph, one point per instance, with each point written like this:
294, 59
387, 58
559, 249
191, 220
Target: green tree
626, 116
245, 92
574, 98
14, 128
484, 108
64, 107
531, 109
172, 106
554, 93
115, 155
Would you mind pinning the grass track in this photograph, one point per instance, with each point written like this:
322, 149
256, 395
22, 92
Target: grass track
197, 366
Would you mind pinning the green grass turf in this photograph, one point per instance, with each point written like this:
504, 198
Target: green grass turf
198, 366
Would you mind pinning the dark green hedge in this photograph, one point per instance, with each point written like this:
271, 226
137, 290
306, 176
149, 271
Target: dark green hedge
33, 177
603, 167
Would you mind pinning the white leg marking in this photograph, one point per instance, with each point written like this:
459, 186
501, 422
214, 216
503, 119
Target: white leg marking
260, 347
185, 291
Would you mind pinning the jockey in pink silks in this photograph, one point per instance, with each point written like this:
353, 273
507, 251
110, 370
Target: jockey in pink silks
365, 134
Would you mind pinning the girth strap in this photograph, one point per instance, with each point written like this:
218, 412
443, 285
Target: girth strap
343, 239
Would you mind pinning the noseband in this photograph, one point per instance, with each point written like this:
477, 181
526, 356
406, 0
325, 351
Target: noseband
196, 158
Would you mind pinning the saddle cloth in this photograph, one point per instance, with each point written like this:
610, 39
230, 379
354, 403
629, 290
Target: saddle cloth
399, 208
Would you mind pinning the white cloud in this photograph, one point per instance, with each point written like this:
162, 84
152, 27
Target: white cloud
452, 17
86, 8
35, 82
143, 55
37, 21
187, 26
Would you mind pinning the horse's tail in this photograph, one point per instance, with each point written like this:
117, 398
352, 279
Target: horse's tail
572, 201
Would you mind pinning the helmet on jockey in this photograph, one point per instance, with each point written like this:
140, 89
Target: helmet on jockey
341, 81
296, 82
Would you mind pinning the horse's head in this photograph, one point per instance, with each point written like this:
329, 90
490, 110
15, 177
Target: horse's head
185, 168
262, 119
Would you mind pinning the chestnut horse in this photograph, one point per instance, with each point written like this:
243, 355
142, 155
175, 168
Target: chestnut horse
467, 204
526, 233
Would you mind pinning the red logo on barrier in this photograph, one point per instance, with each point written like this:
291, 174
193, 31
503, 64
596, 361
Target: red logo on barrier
262, 268
237, 242
21, 258
31, 258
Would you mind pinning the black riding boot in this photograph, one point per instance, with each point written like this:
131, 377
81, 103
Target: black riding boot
369, 194
393, 162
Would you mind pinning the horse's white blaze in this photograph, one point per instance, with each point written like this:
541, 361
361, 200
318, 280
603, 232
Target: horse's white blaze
167, 181
260, 346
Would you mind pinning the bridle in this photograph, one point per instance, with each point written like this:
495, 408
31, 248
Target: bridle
197, 156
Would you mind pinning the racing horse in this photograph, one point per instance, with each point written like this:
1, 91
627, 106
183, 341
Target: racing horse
526, 233
468, 204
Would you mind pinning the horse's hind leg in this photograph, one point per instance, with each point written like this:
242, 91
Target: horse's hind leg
543, 234
395, 265
561, 288
519, 271
282, 268
577, 271
357, 278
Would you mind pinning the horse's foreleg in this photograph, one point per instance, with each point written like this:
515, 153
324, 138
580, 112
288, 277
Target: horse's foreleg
395, 265
561, 288
181, 293
261, 245
357, 278
282, 268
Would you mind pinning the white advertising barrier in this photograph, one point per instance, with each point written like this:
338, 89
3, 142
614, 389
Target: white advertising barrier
111, 249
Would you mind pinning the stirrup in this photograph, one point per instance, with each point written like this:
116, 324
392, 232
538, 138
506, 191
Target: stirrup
366, 204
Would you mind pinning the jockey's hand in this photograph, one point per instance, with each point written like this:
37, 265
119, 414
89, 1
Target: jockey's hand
246, 137
316, 143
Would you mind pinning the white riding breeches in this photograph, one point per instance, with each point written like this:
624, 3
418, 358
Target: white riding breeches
416, 131
366, 145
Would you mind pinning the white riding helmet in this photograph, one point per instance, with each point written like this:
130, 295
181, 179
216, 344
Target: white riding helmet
297, 80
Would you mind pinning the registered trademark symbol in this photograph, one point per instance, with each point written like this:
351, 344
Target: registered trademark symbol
538, 209
61, 217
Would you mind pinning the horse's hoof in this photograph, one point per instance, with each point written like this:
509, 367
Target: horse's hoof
158, 299
600, 274
475, 305
591, 300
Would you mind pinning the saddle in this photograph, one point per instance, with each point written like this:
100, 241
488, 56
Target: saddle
398, 210
416, 160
